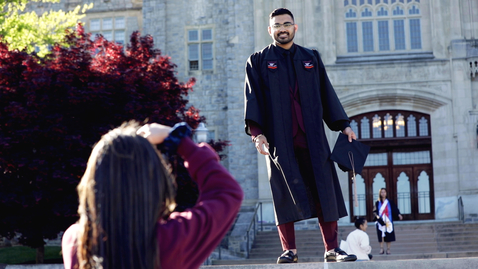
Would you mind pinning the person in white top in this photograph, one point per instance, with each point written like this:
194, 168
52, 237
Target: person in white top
358, 241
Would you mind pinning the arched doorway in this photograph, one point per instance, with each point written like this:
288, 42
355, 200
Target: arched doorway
400, 160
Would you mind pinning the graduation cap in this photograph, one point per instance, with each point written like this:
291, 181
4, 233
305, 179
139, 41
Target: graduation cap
350, 156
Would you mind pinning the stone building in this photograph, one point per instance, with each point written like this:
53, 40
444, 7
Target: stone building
405, 70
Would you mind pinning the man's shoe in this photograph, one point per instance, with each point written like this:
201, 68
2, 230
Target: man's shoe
338, 255
288, 257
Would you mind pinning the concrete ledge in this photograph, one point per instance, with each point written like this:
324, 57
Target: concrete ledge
462, 263
385, 57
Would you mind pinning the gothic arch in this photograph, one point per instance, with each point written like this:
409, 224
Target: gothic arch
425, 101
401, 153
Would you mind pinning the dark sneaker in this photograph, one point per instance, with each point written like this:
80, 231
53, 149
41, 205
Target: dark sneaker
288, 257
338, 255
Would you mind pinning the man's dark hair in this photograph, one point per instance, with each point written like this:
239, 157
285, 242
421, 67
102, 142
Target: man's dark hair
358, 222
280, 11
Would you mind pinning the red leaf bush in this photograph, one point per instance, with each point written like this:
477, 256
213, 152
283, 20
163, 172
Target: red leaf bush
53, 110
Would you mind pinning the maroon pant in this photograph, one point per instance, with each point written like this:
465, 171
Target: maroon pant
329, 230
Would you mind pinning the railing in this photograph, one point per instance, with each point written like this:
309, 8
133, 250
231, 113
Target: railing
253, 224
461, 211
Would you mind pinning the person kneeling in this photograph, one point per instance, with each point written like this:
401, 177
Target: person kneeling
358, 241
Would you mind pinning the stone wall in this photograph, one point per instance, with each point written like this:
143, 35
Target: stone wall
218, 94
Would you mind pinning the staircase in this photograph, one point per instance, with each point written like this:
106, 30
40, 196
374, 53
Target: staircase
415, 240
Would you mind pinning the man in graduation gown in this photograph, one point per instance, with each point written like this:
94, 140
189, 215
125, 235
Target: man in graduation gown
287, 97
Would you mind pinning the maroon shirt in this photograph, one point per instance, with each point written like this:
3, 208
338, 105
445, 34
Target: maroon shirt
187, 238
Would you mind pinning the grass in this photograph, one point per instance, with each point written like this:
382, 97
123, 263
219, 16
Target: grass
26, 255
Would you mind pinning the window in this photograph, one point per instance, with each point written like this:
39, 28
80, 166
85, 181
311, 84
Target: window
415, 35
367, 32
377, 127
392, 124
112, 29
200, 49
382, 25
400, 123
383, 36
365, 127
352, 37
399, 34
388, 125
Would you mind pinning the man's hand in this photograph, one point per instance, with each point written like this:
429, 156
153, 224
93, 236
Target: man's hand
262, 145
350, 133
154, 132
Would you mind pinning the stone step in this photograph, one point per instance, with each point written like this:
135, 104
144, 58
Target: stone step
372, 235
377, 257
320, 252
411, 241
434, 239
408, 227
401, 237
410, 245
301, 235
395, 254
402, 247
412, 224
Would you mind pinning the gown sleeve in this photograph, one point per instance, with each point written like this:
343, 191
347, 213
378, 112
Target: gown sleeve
252, 95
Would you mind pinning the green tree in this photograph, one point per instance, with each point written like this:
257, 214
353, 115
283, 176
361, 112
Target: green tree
30, 31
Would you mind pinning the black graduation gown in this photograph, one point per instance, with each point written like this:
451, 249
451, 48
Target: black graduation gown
267, 103
389, 237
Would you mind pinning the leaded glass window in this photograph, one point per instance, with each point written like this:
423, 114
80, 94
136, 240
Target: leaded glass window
377, 127
414, 11
423, 127
391, 124
382, 25
400, 125
376, 159
383, 39
366, 13
352, 37
397, 11
423, 193
350, 14
416, 157
403, 193
353, 126
399, 33
367, 31
412, 126
415, 34
365, 128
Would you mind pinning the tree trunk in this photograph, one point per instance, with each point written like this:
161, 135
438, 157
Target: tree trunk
40, 254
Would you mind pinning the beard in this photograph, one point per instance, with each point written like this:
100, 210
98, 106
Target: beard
286, 39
